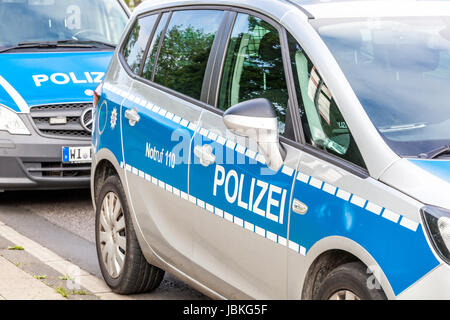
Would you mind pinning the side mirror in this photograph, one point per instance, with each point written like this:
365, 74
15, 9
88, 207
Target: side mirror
257, 120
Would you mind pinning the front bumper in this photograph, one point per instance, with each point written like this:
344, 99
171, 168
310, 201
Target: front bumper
35, 162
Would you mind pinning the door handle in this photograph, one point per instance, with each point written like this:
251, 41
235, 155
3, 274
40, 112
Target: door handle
133, 116
205, 154
299, 207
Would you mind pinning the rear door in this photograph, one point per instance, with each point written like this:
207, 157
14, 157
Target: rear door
160, 116
242, 206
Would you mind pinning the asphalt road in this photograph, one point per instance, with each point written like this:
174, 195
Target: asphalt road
63, 221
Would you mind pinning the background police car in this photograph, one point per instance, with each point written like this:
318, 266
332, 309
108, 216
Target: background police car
53, 55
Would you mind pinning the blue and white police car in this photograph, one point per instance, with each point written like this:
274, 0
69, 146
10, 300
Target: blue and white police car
53, 54
277, 149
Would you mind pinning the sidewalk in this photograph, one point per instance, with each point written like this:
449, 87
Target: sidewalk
16, 284
29, 271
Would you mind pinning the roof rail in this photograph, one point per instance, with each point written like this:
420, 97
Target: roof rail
297, 4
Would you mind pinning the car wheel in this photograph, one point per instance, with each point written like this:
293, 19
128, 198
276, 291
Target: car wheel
350, 281
122, 263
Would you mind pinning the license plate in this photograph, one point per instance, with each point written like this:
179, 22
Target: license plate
77, 154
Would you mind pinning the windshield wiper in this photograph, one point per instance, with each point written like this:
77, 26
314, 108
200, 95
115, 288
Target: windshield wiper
87, 42
46, 44
433, 154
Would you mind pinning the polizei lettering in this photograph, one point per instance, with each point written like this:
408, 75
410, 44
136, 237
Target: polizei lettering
251, 194
71, 77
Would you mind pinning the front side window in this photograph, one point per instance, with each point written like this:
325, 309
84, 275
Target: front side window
323, 124
254, 67
399, 68
58, 20
137, 41
185, 50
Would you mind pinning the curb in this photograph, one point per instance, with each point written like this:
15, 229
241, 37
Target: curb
78, 277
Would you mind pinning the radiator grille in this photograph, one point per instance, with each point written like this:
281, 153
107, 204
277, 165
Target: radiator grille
63, 120
57, 170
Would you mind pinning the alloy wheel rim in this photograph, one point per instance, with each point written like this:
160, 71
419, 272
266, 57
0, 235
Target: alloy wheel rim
344, 295
113, 242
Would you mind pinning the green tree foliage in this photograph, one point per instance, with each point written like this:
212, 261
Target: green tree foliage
183, 59
132, 40
256, 51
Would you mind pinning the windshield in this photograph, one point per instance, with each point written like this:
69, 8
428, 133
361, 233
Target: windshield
400, 70
56, 20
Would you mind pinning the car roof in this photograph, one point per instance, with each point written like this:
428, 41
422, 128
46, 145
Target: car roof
322, 8
274, 8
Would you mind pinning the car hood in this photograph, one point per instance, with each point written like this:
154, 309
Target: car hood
28, 79
438, 168
425, 180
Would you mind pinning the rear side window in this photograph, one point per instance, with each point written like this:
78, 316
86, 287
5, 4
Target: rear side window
185, 50
137, 41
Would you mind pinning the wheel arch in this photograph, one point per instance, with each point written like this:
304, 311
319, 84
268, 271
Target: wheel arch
332, 252
104, 165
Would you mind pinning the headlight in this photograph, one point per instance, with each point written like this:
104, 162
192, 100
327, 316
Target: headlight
11, 122
437, 222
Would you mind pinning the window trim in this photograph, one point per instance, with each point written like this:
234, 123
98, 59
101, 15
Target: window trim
125, 8
213, 89
328, 157
211, 62
149, 41
221, 62
161, 41
222, 44
124, 43
139, 78
171, 10
319, 153
293, 102
300, 141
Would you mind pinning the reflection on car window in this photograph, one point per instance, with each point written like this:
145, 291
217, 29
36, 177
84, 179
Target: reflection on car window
254, 67
185, 50
153, 48
55, 20
399, 68
323, 124
137, 41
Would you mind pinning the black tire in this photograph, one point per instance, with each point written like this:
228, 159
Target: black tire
351, 277
137, 275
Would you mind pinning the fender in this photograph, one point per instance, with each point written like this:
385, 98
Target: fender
347, 245
99, 156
